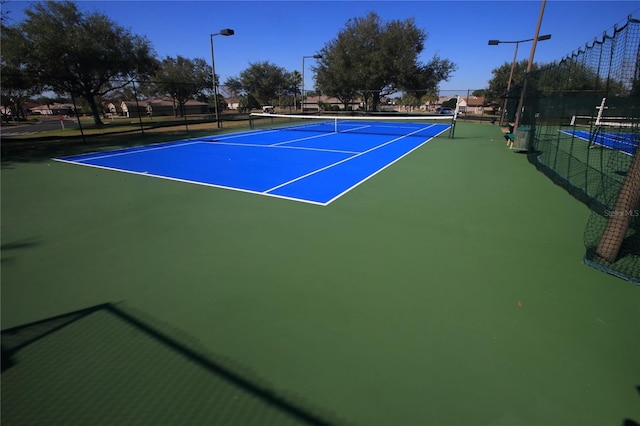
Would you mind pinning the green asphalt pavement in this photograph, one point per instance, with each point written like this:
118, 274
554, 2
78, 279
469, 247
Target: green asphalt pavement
448, 289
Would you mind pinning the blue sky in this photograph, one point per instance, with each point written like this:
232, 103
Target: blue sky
282, 32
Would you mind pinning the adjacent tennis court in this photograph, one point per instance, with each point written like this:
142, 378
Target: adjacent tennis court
615, 133
308, 159
625, 142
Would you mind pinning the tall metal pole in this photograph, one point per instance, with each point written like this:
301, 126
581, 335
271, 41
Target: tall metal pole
513, 67
529, 66
302, 101
224, 32
215, 86
303, 97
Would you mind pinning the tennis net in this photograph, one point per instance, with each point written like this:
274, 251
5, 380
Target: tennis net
418, 126
620, 133
605, 122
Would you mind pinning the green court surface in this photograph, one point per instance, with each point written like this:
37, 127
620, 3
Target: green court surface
448, 289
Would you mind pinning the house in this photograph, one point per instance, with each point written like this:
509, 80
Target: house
158, 107
311, 103
468, 104
53, 109
474, 105
233, 102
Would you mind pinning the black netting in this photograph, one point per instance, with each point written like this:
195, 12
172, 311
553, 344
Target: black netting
584, 112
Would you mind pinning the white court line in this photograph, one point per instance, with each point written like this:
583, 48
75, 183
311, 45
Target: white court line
232, 188
267, 192
174, 144
165, 145
285, 147
345, 160
368, 126
303, 139
572, 133
233, 136
382, 168
131, 151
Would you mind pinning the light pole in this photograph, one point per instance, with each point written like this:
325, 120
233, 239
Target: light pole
224, 32
513, 64
536, 37
303, 58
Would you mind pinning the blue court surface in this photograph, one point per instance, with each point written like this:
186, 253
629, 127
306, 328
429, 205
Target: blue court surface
625, 142
306, 166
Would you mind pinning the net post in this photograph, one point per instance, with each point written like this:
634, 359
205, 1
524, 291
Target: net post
601, 109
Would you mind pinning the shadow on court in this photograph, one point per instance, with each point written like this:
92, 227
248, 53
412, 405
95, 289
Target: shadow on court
629, 422
105, 365
8, 249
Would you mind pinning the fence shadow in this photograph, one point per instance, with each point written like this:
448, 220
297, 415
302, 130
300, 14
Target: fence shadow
107, 365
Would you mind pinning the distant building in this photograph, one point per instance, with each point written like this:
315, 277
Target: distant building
467, 104
311, 103
233, 102
53, 109
473, 105
157, 107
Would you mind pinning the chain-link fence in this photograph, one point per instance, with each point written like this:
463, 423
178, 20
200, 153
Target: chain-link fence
583, 115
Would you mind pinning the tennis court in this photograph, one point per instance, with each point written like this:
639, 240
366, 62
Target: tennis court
314, 160
446, 290
616, 133
625, 142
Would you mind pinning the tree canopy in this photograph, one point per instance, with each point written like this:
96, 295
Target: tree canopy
16, 83
264, 81
81, 53
183, 78
372, 59
567, 78
500, 81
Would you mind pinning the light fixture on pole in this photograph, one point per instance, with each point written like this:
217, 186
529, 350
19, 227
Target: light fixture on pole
536, 37
224, 32
513, 65
303, 97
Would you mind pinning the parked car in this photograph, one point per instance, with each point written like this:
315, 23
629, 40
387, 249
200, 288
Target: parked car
445, 111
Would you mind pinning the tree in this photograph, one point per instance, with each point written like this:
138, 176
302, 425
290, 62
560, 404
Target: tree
263, 80
247, 103
409, 101
84, 54
450, 103
183, 79
372, 59
498, 84
574, 78
293, 88
16, 83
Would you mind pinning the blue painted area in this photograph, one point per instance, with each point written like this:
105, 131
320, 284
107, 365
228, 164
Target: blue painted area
127, 151
265, 137
253, 168
325, 185
305, 166
625, 142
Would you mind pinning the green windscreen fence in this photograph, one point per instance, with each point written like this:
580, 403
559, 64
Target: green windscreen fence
583, 115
